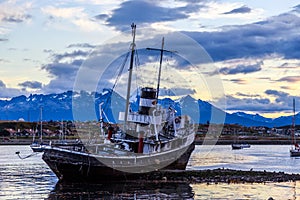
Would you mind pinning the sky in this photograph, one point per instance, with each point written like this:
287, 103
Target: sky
254, 45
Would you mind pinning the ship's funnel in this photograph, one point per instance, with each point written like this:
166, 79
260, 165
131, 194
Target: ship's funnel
147, 101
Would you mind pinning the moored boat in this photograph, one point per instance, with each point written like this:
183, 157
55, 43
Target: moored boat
37, 145
295, 149
239, 146
152, 138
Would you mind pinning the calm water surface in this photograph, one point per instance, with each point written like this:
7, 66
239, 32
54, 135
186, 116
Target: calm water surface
32, 179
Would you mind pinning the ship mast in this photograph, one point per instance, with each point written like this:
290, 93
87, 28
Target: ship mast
162, 50
133, 26
159, 70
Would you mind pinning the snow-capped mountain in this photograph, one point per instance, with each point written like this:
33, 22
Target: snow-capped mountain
82, 106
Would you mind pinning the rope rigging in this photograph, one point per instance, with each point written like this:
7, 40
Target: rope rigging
28, 156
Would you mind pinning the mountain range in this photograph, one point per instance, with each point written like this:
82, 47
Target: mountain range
83, 106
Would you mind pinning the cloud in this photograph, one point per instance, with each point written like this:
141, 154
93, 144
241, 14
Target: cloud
14, 12
246, 95
291, 79
67, 56
287, 65
3, 40
276, 93
6, 92
73, 15
246, 103
283, 103
241, 10
145, 12
243, 69
101, 17
4, 60
297, 8
68, 13
61, 70
63, 76
176, 92
282, 98
16, 18
2, 84
31, 85
238, 81
81, 45
286, 87
275, 35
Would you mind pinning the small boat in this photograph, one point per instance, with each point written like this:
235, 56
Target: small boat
295, 149
239, 146
38, 146
150, 139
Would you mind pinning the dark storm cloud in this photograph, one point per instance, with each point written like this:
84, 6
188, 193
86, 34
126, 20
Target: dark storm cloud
279, 34
3, 40
144, 12
31, 84
241, 10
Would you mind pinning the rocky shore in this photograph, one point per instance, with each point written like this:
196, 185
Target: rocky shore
219, 176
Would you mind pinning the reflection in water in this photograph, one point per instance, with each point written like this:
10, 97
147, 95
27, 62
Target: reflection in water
125, 190
258, 157
284, 190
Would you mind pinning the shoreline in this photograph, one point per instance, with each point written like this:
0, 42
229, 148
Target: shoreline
206, 176
218, 175
272, 141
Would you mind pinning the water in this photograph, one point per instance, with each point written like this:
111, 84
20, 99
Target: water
32, 179
258, 157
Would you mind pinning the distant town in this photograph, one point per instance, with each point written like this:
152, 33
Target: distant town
22, 132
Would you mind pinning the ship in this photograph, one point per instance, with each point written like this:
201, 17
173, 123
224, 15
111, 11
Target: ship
150, 139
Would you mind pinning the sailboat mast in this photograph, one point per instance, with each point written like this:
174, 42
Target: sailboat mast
159, 70
41, 112
133, 26
293, 123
